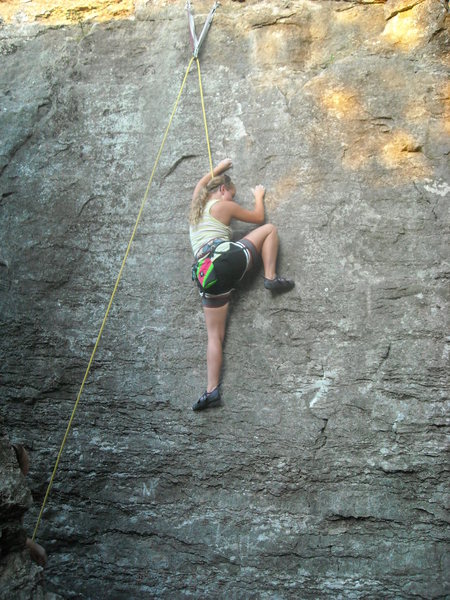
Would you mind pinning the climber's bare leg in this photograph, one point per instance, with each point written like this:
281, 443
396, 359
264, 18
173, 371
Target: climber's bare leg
265, 240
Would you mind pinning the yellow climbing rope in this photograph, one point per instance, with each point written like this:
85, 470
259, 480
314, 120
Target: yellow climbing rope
204, 118
119, 276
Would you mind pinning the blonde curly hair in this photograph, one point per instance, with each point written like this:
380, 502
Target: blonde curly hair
199, 202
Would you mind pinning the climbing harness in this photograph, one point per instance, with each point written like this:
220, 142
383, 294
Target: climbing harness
196, 44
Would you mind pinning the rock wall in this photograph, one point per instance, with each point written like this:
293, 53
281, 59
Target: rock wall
324, 473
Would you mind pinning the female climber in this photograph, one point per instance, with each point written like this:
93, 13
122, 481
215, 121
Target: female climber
213, 208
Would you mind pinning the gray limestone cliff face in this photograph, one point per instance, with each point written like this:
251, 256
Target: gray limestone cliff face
324, 474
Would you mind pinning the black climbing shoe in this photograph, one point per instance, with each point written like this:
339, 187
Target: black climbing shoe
279, 284
207, 400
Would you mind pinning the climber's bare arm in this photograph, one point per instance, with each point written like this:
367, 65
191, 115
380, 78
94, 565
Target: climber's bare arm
226, 211
223, 166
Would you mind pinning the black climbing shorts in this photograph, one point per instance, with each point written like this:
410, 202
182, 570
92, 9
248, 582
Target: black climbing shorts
231, 268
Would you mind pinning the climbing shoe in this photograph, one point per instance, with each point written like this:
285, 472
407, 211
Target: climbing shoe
279, 284
207, 400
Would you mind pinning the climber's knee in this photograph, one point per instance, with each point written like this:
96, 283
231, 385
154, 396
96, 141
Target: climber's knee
260, 234
273, 229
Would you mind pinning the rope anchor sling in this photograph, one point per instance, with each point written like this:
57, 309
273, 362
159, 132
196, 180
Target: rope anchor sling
196, 45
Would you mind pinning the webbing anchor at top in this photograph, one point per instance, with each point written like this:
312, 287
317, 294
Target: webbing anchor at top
197, 42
